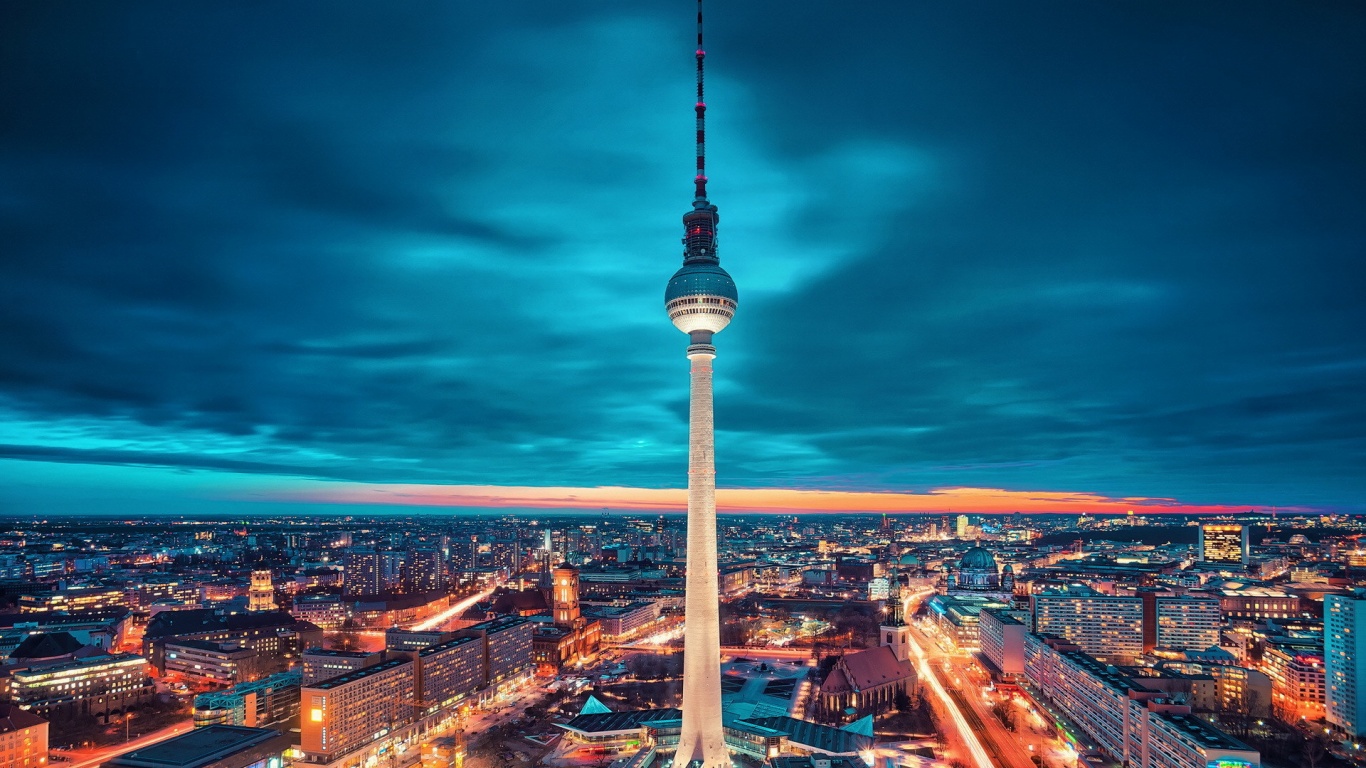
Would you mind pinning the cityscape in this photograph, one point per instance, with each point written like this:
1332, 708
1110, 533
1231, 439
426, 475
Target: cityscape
558, 639
338, 430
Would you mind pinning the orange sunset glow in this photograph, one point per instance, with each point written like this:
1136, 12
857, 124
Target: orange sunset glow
939, 500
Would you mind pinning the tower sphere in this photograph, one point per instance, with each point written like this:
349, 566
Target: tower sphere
700, 297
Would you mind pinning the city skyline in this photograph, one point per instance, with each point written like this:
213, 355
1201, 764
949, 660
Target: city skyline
1057, 259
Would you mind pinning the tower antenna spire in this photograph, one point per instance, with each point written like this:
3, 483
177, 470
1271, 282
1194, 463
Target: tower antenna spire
700, 182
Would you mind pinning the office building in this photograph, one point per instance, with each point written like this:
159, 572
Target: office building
624, 621
207, 662
277, 637
1344, 650
1226, 543
23, 738
269, 700
74, 600
1257, 604
1105, 626
327, 611
101, 685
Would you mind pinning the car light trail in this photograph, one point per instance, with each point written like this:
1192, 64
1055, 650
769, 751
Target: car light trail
451, 612
979, 755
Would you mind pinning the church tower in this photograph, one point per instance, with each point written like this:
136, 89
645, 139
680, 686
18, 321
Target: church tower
895, 634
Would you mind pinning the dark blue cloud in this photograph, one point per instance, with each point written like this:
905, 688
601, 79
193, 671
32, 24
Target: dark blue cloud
1103, 248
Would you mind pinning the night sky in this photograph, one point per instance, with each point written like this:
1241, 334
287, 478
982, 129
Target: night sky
257, 253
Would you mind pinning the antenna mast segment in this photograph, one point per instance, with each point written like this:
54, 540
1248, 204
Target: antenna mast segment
701, 181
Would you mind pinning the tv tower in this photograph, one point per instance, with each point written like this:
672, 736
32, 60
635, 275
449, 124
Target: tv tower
701, 300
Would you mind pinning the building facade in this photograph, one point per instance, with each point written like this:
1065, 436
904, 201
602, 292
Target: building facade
1133, 723
204, 661
1187, 622
23, 738
1344, 649
101, 686
1105, 626
272, 699
1001, 637
1224, 543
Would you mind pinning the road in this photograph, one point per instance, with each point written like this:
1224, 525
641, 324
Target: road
968, 686
944, 705
89, 758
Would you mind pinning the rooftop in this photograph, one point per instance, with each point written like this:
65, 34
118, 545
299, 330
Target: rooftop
199, 747
449, 644
613, 722
14, 719
1202, 733
359, 674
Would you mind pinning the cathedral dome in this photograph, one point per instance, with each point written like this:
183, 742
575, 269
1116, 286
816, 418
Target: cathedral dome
978, 559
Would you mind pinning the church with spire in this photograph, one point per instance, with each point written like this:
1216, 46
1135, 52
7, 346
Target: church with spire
873, 681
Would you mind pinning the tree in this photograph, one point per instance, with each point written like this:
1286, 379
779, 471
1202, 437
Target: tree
1313, 750
348, 639
1005, 713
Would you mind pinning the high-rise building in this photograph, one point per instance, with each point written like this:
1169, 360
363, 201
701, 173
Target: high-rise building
1104, 626
425, 571
448, 671
1134, 723
1187, 623
362, 568
261, 594
1224, 543
961, 529
1344, 650
1296, 669
343, 713
701, 300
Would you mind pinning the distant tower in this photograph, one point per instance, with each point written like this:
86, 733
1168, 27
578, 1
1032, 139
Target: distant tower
895, 634
701, 300
261, 595
1008, 579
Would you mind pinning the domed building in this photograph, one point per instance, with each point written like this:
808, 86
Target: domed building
977, 572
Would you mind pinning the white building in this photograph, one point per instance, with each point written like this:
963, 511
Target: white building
1344, 647
1001, 638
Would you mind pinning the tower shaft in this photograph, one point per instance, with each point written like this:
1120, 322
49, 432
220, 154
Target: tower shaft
702, 738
